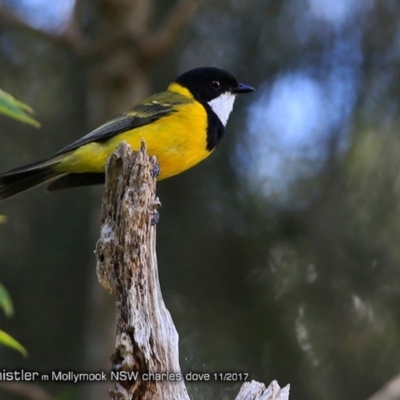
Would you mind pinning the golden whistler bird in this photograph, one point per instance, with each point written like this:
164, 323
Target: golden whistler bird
181, 127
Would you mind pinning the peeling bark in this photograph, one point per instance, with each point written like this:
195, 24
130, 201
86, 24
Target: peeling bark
146, 339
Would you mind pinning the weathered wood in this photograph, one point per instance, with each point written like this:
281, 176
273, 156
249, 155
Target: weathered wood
391, 390
258, 391
146, 340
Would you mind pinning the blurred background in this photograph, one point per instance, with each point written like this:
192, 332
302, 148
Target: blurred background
279, 255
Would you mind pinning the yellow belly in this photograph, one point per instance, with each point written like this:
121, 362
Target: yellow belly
178, 141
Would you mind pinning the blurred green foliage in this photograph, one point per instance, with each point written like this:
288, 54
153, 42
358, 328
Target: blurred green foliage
20, 111
7, 306
16, 109
9, 341
5, 302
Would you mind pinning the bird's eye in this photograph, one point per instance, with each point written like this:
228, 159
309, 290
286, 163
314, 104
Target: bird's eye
215, 85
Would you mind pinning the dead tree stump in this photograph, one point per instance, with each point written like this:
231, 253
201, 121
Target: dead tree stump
145, 364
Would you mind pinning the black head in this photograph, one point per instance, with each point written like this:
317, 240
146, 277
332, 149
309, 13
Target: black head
208, 83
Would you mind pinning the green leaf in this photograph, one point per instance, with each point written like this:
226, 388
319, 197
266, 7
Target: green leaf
5, 301
16, 109
3, 219
7, 340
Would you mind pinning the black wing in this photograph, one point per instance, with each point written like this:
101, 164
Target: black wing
140, 115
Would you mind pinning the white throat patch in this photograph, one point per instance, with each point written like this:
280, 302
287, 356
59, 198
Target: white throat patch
222, 106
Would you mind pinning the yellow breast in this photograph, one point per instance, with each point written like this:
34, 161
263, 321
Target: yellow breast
178, 141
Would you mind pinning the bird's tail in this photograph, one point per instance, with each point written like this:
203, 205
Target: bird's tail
20, 179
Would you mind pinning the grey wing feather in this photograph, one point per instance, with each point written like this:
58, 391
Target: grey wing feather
141, 115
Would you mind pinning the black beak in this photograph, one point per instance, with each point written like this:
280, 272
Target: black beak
243, 88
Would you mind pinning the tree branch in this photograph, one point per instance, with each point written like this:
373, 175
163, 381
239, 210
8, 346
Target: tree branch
145, 364
157, 44
146, 340
70, 37
135, 36
391, 391
7, 17
258, 391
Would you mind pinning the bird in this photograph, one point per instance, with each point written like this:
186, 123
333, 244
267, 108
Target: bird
180, 126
